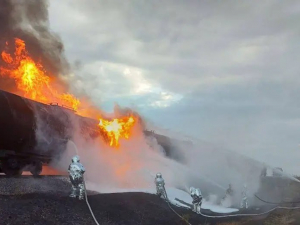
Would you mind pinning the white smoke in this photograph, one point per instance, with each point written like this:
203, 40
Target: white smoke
134, 164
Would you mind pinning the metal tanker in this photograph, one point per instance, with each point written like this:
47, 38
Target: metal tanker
33, 134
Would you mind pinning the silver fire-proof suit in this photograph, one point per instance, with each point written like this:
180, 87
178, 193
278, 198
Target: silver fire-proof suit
229, 192
160, 186
76, 171
197, 199
244, 201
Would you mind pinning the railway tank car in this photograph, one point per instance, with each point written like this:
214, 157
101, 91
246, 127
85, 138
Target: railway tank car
32, 133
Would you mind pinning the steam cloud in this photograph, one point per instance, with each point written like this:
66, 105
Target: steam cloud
135, 163
28, 20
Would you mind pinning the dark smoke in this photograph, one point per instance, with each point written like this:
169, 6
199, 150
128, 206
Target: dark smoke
28, 20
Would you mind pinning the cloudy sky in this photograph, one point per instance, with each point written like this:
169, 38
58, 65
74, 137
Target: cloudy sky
226, 72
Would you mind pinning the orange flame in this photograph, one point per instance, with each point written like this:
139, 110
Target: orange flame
117, 128
31, 78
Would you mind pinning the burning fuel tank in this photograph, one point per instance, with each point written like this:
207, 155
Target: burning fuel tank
31, 127
31, 131
27, 126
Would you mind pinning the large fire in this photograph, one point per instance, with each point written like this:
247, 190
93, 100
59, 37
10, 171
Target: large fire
31, 78
117, 128
33, 81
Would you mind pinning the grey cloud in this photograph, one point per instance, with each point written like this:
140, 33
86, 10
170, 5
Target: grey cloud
255, 120
236, 64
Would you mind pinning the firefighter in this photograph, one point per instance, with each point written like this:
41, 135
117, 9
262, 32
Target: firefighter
264, 172
197, 199
229, 191
76, 171
244, 201
228, 195
160, 186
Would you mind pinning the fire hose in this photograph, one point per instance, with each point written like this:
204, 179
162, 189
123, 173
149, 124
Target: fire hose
257, 214
85, 190
91, 211
253, 214
234, 215
88, 204
275, 203
168, 202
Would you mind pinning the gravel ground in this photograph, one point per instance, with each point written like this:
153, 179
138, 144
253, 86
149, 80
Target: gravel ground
43, 209
27, 184
28, 200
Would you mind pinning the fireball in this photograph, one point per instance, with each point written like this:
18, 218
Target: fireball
117, 128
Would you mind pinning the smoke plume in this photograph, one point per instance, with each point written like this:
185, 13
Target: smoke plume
136, 162
28, 20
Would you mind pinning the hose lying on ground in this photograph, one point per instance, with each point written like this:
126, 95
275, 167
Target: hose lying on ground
88, 204
85, 190
208, 216
168, 202
258, 214
250, 214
